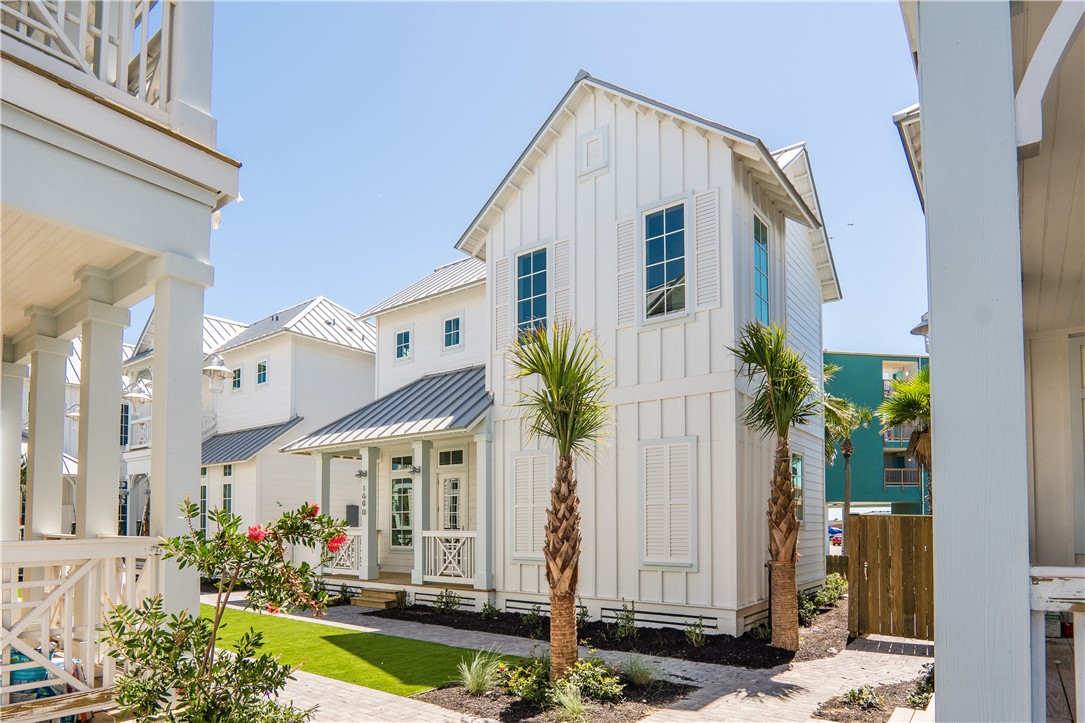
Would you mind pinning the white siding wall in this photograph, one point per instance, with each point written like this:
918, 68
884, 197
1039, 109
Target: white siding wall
329, 382
255, 406
426, 321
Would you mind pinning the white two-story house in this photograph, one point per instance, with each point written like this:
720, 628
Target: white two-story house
663, 233
263, 384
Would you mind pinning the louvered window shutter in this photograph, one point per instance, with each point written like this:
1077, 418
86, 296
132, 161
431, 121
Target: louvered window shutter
501, 304
707, 248
627, 258
563, 281
530, 497
668, 504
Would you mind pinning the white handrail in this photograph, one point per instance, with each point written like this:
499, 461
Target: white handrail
1056, 589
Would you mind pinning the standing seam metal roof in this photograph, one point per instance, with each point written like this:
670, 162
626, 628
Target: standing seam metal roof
318, 318
445, 278
241, 445
435, 403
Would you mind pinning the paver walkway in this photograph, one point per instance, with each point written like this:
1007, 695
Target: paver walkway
783, 693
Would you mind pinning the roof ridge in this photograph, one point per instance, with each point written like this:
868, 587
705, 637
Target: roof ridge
457, 261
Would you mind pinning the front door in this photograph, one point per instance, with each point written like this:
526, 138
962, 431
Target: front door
451, 512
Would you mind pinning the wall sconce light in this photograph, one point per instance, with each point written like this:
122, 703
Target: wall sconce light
361, 473
416, 469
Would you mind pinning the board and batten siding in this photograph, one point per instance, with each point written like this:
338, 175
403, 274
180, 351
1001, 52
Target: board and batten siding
673, 380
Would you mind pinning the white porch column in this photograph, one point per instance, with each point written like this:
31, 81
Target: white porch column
11, 429
99, 419
189, 105
45, 446
981, 519
420, 494
176, 376
323, 491
484, 507
367, 515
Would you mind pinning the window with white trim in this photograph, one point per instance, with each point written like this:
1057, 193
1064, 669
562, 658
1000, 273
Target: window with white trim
665, 262
760, 270
669, 504
403, 345
235, 385
452, 338
125, 420
532, 475
796, 480
450, 457
227, 497
402, 527
261, 373
531, 291
203, 508
450, 507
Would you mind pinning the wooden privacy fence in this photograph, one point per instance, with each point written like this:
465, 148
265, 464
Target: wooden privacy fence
837, 564
891, 575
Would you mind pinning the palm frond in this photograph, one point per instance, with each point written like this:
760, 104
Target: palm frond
785, 392
569, 405
909, 401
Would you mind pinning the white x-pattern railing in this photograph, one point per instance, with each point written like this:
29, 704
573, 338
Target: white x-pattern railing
449, 556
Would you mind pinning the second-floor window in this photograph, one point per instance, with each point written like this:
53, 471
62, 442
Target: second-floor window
452, 332
236, 384
403, 345
124, 424
665, 262
261, 373
760, 270
531, 291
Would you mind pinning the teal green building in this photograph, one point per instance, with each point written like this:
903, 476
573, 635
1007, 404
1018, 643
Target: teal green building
881, 475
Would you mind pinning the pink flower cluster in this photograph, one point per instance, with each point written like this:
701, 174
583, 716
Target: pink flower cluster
336, 543
313, 511
256, 533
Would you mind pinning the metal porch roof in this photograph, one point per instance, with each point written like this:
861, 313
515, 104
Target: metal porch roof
241, 445
435, 403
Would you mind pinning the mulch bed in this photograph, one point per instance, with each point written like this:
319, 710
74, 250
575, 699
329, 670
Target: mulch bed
893, 696
825, 638
640, 702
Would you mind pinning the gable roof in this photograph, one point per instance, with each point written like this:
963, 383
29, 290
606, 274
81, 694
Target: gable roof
318, 318
753, 151
74, 366
795, 161
444, 279
216, 331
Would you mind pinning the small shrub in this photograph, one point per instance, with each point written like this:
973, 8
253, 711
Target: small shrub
489, 611
627, 621
581, 615
447, 602
830, 594
480, 673
837, 582
403, 599
924, 689
533, 621
346, 592
761, 632
529, 680
569, 701
695, 634
594, 679
865, 697
808, 608
639, 671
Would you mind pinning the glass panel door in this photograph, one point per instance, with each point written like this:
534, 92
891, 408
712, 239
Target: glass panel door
451, 500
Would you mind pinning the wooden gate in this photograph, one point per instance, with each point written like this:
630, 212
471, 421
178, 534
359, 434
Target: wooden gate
891, 575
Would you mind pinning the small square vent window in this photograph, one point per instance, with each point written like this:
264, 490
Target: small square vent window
592, 153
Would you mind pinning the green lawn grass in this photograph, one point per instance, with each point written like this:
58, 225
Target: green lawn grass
394, 665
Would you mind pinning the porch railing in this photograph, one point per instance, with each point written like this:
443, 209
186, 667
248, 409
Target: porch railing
448, 556
124, 44
55, 594
1057, 589
139, 433
899, 433
349, 557
903, 477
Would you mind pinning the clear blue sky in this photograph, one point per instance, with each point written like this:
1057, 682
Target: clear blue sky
372, 134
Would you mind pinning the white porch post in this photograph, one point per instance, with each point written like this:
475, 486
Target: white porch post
323, 490
45, 445
176, 376
98, 480
484, 505
11, 432
367, 514
420, 493
189, 105
981, 522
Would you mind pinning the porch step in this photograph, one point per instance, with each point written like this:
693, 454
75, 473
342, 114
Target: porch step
372, 598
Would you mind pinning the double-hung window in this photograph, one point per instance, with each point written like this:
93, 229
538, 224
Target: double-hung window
452, 332
665, 262
125, 419
796, 480
261, 373
531, 291
402, 530
236, 385
760, 270
403, 345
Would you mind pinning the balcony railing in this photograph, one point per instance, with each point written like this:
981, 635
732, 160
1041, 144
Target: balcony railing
1057, 590
55, 594
121, 43
448, 556
903, 477
899, 434
139, 433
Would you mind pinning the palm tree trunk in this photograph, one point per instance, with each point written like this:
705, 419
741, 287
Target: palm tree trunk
783, 551
845, 449
562, 553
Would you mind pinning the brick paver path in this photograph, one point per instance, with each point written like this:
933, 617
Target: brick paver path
784, 693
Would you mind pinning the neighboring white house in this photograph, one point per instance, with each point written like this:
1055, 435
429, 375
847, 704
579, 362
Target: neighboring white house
664, 233
997, 149
287, 373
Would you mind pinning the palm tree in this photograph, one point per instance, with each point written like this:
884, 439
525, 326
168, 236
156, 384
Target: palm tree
909, 402
568, 407
842, 418
785, 395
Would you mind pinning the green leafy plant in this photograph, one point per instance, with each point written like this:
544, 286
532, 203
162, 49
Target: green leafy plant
808, 607
346, 594
626, 621
761, 632
582, 618
489, 611
695, 634
480, 673
864, 697
448, 602
533, 621
594, 679
529, 680
639, 671
403, 599
832, 592
569, 701
172, 668
920, 697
